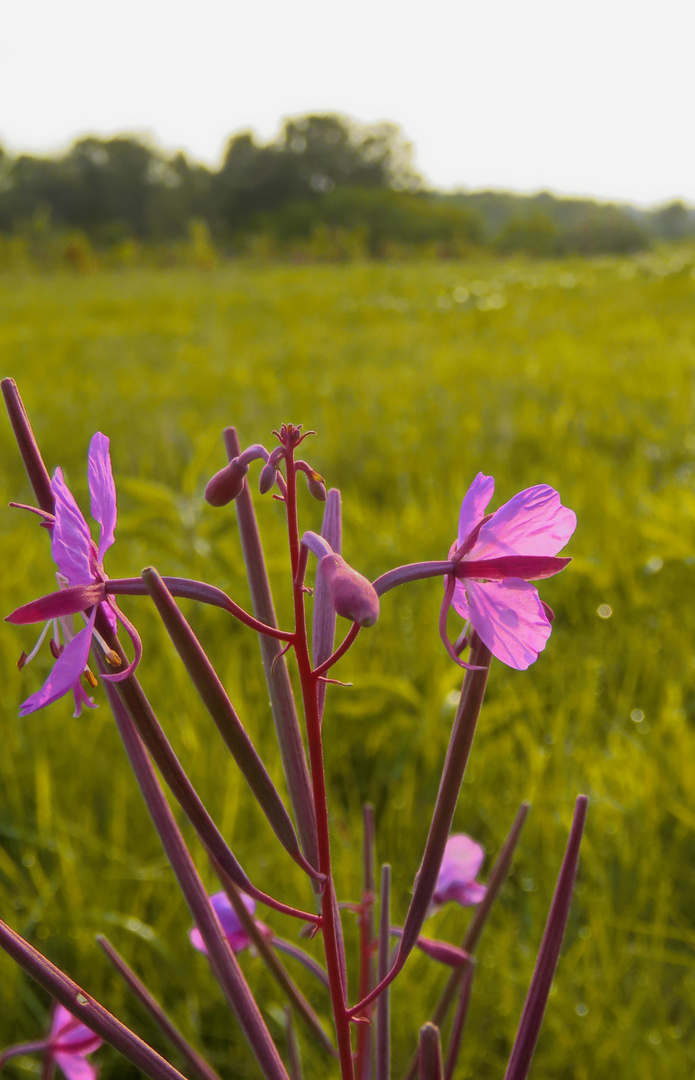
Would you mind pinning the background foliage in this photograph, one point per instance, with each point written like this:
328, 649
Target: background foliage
325, 188
416, 376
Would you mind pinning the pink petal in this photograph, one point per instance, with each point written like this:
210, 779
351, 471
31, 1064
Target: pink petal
526, 567
64, 602
61, 1019
75, 1067
462, 860
509, 617
79, 1039
470, 894
231, 927
103, 491
71, 542
65, 675
460, 600
534, 522
474, 505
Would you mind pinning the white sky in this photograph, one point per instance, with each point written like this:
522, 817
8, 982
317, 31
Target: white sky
593, 97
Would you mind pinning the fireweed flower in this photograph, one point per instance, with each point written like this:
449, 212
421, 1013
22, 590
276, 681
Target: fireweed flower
462, 860
82, 581
232, 928
497, 556
69, 1043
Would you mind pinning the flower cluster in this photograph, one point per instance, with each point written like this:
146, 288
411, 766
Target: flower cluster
487, 577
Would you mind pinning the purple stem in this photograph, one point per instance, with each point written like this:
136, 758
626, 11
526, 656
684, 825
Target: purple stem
411, 572
293, 1047
302, 957
462, 734
467, 713
49, 1067
536, 1000
230, 727
28, 446
497, 878
187, 589
86, 1008
142, 714
275, 967
21, 1049
277, 675
323, 623
430, 1053
365, 1035
222, 960
459, 1021
383, 1005
198, 1066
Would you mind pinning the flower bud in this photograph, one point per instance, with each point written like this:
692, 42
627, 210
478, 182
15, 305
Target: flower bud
317, 488
267, 477
226, 485
353, 596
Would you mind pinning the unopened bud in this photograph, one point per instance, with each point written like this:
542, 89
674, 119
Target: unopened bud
353, 595
267, 478
316, 486
226, 485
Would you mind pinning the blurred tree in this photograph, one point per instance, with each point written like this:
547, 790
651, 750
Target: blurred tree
673, 221
312, 156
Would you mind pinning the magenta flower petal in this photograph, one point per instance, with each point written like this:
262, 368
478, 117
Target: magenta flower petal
69, 1033
103, 491
75, 1067
471, 894
64, 602
71, 541
509, 617
68, 1044
231, 927
463, 858
534, 522
474, 505
66, 674
460, 600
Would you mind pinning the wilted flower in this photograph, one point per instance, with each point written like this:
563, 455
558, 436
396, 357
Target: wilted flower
462, 860
497, 557
83, 585
229, 921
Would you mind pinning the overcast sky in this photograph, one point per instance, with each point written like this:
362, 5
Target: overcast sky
594, 97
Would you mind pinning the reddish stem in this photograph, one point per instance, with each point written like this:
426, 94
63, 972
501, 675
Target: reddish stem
309, 684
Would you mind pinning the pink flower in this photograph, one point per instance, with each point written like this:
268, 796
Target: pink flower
232, 928
497, 557
69, 1043
82, 579
462, 860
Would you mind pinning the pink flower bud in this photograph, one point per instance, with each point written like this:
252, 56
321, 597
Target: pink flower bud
226, 485
354, 597
317, 488
267, 477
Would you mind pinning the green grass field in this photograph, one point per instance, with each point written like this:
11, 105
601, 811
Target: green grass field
577, 374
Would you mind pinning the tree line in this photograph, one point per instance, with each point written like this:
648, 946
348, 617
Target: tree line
324, 184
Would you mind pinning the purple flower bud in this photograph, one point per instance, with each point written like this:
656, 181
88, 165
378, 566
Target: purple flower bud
354, 597
267, 478
227, 484
317, 488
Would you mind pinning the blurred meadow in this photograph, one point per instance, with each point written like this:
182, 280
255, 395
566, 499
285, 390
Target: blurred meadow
579, 374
